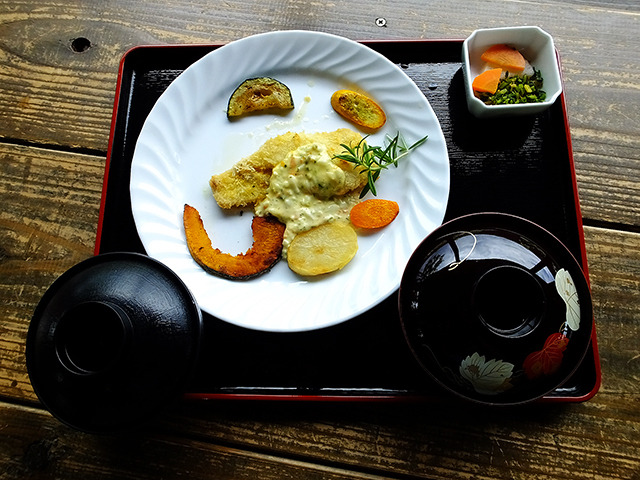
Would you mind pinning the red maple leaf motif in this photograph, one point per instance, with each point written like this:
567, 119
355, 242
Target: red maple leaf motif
548, 360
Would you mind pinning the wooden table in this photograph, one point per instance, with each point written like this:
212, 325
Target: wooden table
59, 63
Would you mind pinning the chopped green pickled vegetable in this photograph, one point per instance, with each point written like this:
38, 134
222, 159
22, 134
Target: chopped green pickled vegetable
517, 89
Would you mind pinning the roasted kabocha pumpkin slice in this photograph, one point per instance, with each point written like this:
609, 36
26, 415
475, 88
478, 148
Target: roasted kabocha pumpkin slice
268, 234
256, 94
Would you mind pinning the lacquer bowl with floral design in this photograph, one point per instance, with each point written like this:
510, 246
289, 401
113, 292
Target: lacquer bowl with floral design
496, 309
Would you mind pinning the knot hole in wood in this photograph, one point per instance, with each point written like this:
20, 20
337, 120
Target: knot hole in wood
80, 44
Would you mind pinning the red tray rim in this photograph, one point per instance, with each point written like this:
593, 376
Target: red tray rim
377, 398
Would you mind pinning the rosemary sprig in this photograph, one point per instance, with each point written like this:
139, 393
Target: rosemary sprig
373, 159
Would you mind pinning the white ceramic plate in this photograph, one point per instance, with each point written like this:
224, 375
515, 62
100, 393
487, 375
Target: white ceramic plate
187, 138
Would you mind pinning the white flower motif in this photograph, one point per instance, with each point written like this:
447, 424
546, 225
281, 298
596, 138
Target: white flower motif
487, 378
567, 291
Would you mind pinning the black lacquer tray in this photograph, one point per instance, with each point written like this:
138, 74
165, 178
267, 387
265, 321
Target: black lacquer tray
523, 166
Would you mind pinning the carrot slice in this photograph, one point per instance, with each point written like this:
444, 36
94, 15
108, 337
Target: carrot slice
505, 57
487, 81
374, 213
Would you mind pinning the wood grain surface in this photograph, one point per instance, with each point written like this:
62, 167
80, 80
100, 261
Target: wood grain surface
59, 64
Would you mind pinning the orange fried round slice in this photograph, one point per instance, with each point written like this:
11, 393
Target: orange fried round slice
358, 108
268, 234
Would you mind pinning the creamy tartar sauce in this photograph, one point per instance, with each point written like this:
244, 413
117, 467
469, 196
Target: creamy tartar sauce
302, 192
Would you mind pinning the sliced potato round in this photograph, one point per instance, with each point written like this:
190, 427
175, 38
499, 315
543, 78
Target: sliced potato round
262, 93
323, 249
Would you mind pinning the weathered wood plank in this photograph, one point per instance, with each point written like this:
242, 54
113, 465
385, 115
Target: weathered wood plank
614, 270
333, 441
418, 441
51, 94
34, 445
443, 441
267, 439
55, 97
48, 221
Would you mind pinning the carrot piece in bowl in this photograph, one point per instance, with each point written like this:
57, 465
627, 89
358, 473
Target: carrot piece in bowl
505, 57
487, 81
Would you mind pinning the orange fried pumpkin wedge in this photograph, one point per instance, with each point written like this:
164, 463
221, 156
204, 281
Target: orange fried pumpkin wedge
268, 234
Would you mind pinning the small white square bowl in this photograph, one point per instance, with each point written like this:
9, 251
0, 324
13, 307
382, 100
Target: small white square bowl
536, 46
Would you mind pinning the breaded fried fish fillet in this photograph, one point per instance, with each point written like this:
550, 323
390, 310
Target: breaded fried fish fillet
247, 181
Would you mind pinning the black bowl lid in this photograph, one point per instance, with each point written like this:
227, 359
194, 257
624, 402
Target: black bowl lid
496, 309
112, 341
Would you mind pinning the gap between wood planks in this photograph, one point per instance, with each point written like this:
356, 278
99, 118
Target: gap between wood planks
618, 226
56, 147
